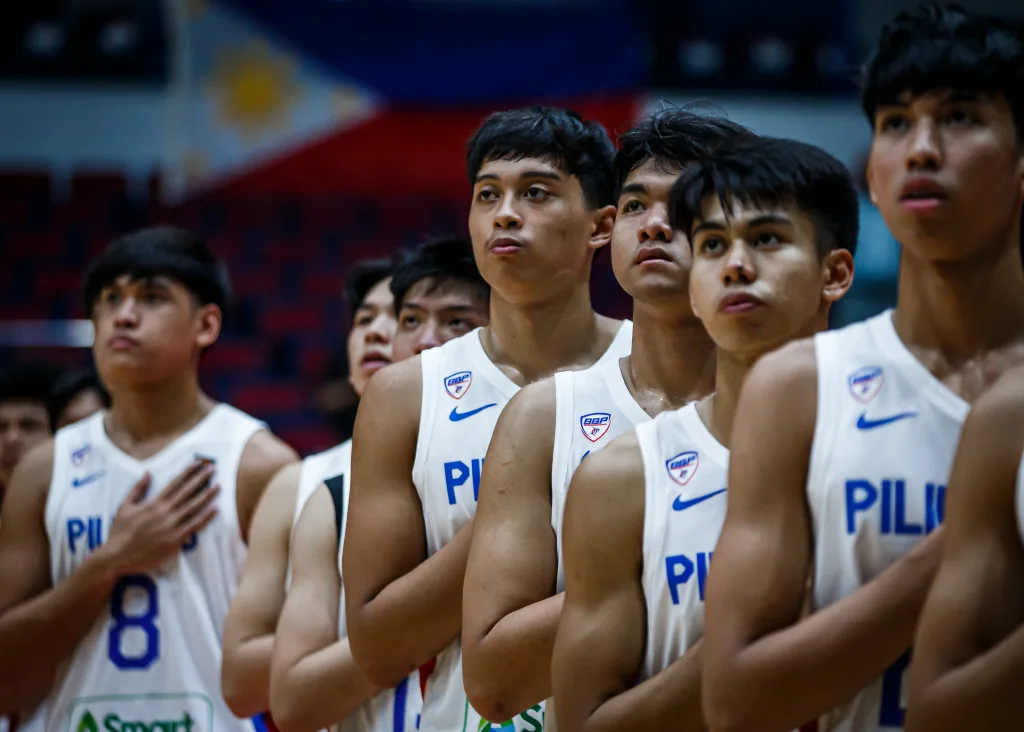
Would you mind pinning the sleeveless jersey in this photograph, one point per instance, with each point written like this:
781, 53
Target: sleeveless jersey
392, 710
885, 436
592, 408
152, 659
314, 470
463, 394
685, 471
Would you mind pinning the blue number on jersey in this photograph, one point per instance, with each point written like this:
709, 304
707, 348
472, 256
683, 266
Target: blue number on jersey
143, 622
891, 707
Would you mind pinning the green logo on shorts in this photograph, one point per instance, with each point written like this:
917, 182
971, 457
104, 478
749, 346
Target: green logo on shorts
113, 723
88, 723
532, 720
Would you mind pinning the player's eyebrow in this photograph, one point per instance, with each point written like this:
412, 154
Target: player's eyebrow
766, 219
709, 226
549, 174
633, 188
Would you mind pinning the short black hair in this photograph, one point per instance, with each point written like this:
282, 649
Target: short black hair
362, 277
936, 48
768, 172
161, 250
673, 138
443, 260
578, 147
69, 386
29, 381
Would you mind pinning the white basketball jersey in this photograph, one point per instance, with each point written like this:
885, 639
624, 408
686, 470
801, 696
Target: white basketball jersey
392, 710
463, 394
685, 471
884, 441
152, 659
313, 471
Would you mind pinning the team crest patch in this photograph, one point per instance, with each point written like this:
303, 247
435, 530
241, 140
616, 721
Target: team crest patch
682, 467
458, 384
595, 425
866, 382
79, 456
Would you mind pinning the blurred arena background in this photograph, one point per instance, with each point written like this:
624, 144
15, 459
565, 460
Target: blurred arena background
300, 136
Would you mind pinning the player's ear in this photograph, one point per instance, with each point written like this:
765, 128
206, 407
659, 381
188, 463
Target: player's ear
603, 223
838, 270
209, 320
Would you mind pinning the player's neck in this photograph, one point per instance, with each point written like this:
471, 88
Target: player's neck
672, 359
155, 412
962, 310
531, 342
718, 411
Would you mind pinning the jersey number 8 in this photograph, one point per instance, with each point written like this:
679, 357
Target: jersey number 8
141, 622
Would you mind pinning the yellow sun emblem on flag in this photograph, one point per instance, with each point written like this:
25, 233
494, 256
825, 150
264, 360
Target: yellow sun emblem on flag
253, 89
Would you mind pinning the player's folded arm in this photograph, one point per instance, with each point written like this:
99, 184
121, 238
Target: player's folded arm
401, 610
509, 615
969, 652
314, 681
600, 643
249, 628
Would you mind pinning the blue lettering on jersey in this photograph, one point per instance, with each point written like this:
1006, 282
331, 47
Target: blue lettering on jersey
679, 570
890, 499
89, 527
456, 473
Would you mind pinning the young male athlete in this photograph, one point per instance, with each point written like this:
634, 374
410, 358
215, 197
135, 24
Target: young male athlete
843, 444
773, 226
514, 579
314, 682
123, 537
969, 656
249, 628
24, 421
542, 204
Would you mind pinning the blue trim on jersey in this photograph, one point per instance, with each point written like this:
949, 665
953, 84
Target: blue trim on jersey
258, 724
401, 697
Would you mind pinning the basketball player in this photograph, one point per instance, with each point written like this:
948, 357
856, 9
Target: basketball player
773, 229
969, 653
249, 628
124, 537
24, 422
844, 443
314, 682
542, 205
514, 581
75, 396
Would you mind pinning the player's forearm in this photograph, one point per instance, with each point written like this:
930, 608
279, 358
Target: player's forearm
668, 700
784, 679
245, 676
982, 694
45, 630
413, 618
509, 669
319, 690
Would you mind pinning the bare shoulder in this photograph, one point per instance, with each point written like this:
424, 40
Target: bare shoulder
264, 455
1001, 407
30, 482
394, 394
793, 368
533, 401
609, 483
279, 497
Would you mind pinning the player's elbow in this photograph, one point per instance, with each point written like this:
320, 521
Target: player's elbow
489, 697
288, 711
933, 709
722, 713
241, 698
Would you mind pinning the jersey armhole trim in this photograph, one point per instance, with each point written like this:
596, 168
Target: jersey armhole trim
235, 458
562, 444
336, 487
648, 443
826, 425
428, 413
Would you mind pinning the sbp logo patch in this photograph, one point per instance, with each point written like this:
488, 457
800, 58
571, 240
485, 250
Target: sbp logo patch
79, 456
866, 382
682, 467
595, 425
458, 384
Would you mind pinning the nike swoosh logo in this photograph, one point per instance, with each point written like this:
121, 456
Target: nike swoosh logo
79, 482
863, 423
680, 505
457, 416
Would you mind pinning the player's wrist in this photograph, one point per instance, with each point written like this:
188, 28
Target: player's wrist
104, 567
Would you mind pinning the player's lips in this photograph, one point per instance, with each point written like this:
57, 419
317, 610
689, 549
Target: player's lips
122, 342
504, 245
652, 254
374, 360
739, 302
922, 192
